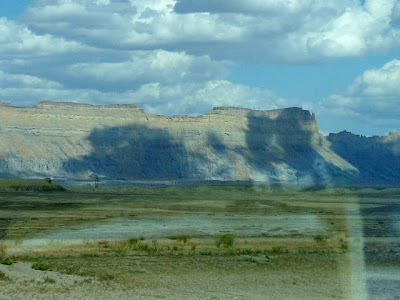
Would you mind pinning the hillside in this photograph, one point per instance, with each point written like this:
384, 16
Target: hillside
122, 142
376, 158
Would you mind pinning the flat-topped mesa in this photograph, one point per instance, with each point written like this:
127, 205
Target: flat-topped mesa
46, 104
293, 113
68, 105
290, 112
121, 141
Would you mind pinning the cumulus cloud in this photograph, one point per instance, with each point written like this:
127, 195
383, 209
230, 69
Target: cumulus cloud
126, 24
18, 41
18, 80
79, 66
147, 67
197, 98
260, 31
372, 98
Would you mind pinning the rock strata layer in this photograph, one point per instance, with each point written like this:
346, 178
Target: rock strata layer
122, 142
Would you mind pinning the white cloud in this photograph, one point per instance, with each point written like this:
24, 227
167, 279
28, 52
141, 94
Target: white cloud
373, 98
354, 32
126, 25
151, 66
261, 31
18, 41
381, 83
200, 98
26, 81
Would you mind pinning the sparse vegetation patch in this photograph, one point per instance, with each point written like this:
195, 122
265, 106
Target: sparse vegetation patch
49, 280
320, 237
226, 240
8, 261
42, 266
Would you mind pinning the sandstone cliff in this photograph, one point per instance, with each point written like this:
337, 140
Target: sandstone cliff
376, 158
67, 140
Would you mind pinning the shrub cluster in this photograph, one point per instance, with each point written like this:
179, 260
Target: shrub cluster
41, 266
320, 237
225, 240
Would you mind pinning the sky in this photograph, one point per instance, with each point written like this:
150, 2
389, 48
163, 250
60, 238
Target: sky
339, 59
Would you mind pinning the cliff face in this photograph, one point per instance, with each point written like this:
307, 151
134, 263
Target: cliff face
376, 158
66, 140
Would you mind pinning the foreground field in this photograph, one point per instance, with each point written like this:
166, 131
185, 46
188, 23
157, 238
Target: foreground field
238, 242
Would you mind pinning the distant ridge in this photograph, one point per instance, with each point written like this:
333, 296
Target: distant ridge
377, 158
76, 141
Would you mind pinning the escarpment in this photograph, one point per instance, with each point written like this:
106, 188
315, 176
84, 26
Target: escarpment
377, 158
122, 142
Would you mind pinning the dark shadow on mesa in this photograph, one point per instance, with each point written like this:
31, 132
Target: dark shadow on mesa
135, 152
290, 139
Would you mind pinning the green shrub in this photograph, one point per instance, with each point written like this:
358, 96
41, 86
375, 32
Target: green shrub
133, 241
225, 240
279, 250
49, 280
8, 261
41, 266
320, 237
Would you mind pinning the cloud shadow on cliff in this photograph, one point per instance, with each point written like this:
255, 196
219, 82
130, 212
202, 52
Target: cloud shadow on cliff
216, 143
284, 139
377, 160
135, 152
220, 161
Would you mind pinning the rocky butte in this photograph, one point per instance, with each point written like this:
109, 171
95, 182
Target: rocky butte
72, 141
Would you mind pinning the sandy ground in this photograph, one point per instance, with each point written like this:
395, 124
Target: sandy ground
257, 280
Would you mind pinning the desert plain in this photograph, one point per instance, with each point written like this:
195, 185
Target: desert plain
204, 242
